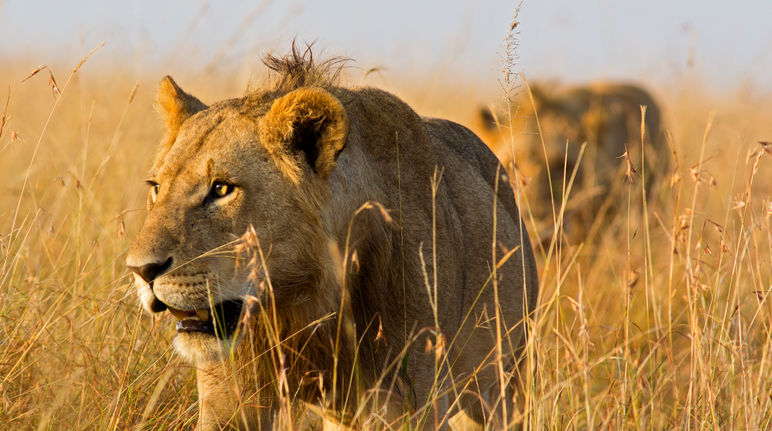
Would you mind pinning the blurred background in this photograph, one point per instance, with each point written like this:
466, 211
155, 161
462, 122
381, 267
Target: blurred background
663, 321
658, 42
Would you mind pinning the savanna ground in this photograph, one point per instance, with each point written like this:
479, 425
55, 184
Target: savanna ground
664, 321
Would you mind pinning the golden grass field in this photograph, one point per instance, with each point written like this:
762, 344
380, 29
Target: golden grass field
663, 322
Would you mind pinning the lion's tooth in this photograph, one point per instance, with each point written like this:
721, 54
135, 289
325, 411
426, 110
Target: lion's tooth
181, 315
203, 314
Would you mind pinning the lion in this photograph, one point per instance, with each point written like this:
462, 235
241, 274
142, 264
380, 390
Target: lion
605, 116
327, 246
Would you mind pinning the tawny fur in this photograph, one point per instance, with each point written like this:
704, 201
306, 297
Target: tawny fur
177, 106
329, 176
607, 116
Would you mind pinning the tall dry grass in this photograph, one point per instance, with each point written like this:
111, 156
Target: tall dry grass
663, 322
74, 348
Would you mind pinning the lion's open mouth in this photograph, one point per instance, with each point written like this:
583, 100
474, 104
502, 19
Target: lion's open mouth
220, 321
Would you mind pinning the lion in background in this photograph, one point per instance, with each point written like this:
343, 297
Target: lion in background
605, 116
385, 263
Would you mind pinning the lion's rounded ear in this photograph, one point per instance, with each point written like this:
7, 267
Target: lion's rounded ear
488, 118
175, 104
310, 121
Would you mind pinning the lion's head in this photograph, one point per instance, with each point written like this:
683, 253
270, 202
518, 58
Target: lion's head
220, 170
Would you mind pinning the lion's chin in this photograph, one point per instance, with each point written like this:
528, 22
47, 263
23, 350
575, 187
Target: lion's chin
199, 348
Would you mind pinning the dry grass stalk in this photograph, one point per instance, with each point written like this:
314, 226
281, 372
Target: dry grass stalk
663, 321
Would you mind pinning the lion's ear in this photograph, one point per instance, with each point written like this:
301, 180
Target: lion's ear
489, 118
175, 104
310, 121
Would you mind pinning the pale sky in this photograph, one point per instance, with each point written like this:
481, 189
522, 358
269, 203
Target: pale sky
730, 43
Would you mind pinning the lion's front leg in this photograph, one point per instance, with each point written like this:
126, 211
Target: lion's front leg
221, 401
217, 397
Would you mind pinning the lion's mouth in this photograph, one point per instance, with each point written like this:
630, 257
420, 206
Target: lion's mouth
220, 321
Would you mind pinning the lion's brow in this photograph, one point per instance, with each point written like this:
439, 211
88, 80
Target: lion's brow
190, 150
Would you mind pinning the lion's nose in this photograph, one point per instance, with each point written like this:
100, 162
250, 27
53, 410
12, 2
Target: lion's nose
150, 271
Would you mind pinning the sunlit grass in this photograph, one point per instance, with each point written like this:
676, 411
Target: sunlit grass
663, 321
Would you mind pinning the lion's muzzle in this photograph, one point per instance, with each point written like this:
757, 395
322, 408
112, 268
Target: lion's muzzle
221, 321
148, 272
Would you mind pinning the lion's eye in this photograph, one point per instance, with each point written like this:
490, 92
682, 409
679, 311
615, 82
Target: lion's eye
154, 188
221, 189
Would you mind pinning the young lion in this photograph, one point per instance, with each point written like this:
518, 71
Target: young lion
605, 116
385, 263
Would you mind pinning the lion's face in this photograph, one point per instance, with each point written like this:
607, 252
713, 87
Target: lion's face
218, 177
202, 198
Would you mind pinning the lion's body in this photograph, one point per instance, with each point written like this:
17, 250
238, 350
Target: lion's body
328, 254
606, 116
